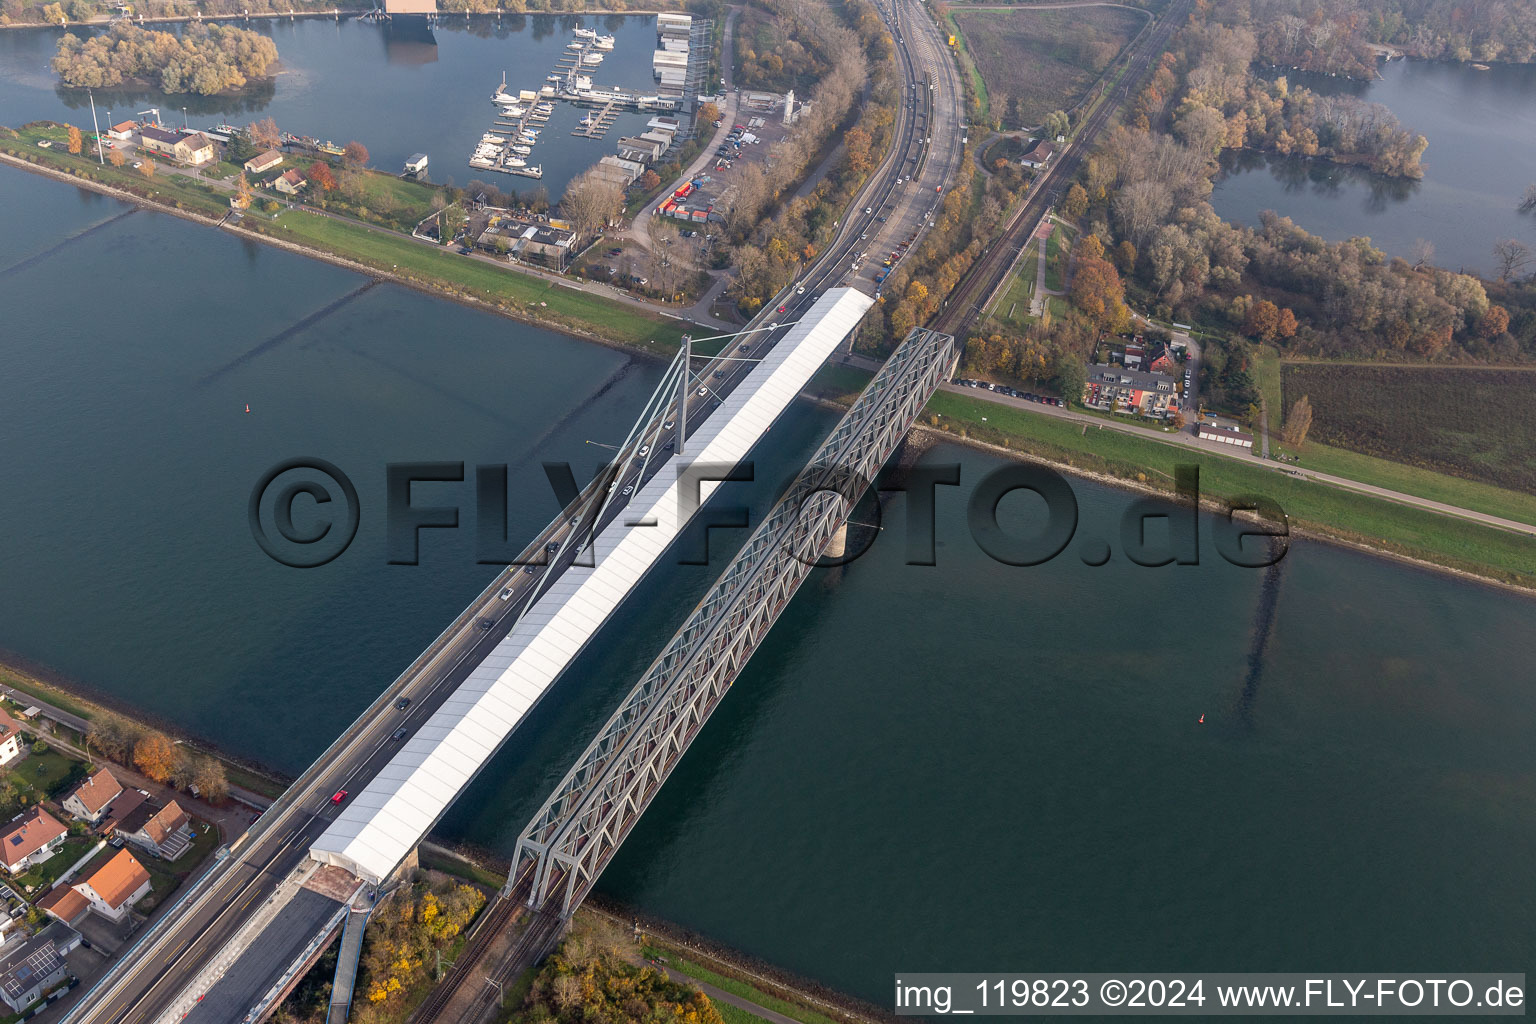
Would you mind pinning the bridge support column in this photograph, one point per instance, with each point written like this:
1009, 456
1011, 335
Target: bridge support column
838, 546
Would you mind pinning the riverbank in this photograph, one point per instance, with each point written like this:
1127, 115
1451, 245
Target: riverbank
1318, 511
348, 9
367, 249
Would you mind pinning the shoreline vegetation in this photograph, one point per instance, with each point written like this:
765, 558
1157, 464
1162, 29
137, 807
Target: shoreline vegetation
204, 60
365, 249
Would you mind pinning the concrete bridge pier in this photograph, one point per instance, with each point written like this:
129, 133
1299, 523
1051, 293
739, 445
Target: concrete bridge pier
837, 547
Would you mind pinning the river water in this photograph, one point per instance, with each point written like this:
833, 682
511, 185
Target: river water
1481, 127
397, 88
966, 766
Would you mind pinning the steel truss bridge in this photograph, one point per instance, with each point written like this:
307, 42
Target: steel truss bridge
576, 833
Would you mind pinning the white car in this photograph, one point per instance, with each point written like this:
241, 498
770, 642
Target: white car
645, 450
628, 490
505, 593
703, 390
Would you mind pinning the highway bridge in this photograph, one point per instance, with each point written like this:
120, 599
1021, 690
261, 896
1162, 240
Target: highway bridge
234, 938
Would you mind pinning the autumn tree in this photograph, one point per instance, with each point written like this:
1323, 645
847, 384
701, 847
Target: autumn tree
1089, 247
1266, 321
209, 778
1125, 257
355, 154
319, 174
75, 144
1099, 293
1298, 423
1493, 323
155, 756
650, 180
1076, 203
264, 133
147, 168
243, 193
117, 158
708, 113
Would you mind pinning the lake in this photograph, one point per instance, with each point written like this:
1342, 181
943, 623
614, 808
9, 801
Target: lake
1481, 127
397, 88
923, 768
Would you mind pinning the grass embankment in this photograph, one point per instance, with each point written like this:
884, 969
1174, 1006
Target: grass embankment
1322, 509
438, 269
667, 953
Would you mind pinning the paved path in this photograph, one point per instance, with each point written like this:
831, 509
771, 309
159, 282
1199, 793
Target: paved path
1226, 451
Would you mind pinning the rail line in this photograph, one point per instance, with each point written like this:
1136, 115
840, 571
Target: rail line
963, 307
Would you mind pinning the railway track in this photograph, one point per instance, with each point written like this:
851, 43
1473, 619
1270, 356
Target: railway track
963, 308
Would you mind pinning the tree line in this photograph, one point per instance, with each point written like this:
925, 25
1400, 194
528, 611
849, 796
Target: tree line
156, 756
203, 59
1225, 106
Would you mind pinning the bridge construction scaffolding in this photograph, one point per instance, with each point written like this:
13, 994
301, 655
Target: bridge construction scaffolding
580, 827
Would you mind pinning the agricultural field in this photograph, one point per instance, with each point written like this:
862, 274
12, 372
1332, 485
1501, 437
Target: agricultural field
1037, 61
1474, 423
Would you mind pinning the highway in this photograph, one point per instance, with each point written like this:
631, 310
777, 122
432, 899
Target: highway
963, 308
170, 954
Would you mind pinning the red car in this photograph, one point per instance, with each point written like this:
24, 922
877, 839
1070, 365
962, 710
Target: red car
341, 795
783, 309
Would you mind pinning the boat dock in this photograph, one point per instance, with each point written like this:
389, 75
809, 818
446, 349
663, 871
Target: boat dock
595, 126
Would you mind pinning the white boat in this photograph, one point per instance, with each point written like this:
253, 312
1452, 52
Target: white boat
522, 150
585, 33
537, 171
554, 78
575, 46
516, 161
588, 121
604, 42
545, 108
482, 163
493, 139
592, 59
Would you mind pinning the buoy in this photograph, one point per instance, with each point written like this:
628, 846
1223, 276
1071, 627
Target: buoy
247, 406
1202, 717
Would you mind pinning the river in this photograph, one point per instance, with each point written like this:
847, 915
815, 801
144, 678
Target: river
1481, 127
967, 766
397, 88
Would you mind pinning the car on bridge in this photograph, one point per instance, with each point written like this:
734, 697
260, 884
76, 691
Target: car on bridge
341, 795
402, 703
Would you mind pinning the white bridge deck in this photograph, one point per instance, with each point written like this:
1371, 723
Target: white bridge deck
393, 813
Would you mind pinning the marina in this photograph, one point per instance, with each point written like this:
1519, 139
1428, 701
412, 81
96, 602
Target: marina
509, 143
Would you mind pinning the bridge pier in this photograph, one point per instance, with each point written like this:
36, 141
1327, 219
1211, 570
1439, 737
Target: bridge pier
837, 547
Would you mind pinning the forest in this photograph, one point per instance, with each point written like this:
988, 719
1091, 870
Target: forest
203, 59
589, 979
1336, 35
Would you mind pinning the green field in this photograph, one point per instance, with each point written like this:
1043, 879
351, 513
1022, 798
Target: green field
1044, 59
1329, 510
1474, 423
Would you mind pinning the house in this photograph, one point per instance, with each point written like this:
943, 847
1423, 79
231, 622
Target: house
91, 798
33, 968
1160, 359
120, 810
290, 183
123, 130
11, 739
265, 162
30, 838
115, 887
165, 832
195, 149
1225, 435
1128, 390
1039, 155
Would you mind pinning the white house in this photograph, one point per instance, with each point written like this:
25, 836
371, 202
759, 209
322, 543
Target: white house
30, 838
11, 739
91, 798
